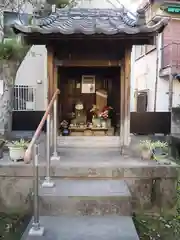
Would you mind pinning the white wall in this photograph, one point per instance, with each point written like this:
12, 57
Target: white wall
143, 77
32, 70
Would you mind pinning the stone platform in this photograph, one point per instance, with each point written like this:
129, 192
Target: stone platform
86, 197
86, 228
150, 184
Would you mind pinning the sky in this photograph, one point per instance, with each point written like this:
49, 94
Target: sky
130, 4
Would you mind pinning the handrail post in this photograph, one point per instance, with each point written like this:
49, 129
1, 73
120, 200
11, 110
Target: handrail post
55, 153
37, 229
48, 182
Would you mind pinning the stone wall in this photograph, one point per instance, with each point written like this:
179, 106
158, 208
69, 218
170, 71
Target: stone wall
175, 121
150, 187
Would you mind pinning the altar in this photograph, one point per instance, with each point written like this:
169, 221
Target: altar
99, 121
85, 131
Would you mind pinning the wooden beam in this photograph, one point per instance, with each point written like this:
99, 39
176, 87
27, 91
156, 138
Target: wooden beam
88, 63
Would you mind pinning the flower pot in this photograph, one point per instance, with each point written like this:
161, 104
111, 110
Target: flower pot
16, 153
104, 124
146, 154
159, 153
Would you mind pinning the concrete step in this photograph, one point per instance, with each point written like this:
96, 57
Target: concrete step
86, 197
89, 142
86, 228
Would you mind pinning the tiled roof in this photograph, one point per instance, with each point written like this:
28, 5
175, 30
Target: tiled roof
91, 21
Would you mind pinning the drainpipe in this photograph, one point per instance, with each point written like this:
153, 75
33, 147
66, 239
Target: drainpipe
157, 72
171, 83
170, 76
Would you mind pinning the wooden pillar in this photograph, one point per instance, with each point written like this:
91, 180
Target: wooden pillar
55, 88
125, 99
50, 76
122, 105
50, 72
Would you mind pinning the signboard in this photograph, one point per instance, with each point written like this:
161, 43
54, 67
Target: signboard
88, 84
172, 9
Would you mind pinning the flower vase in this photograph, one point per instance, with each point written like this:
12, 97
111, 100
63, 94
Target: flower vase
104, 124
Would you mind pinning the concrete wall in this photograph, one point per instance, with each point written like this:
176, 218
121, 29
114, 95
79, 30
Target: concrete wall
33, 72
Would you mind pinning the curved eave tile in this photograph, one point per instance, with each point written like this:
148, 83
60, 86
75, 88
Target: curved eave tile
158, 27
88, 26
69, 31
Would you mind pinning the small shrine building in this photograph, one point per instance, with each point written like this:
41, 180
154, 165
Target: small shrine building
89, 60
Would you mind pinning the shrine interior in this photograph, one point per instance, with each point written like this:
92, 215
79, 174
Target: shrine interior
89, 103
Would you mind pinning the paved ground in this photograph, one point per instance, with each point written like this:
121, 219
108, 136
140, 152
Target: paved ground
87, 228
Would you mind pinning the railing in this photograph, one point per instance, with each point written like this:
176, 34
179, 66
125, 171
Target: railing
37, 229
46, 116
171, 55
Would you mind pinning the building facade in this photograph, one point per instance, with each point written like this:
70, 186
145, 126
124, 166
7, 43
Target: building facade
155, 74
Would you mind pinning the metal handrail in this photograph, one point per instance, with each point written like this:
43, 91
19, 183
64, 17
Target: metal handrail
28, 153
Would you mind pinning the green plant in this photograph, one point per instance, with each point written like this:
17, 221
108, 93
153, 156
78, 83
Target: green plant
18, 144
159, 144
13, 50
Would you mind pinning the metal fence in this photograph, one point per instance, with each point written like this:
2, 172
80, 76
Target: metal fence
24, 98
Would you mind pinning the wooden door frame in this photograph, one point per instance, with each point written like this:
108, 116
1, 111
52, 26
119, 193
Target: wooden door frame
125, 64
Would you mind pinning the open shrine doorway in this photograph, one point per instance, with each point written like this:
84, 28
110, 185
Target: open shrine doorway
104, 91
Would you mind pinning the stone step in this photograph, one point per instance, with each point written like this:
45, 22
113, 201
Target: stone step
90, 142
86, 197
85, 228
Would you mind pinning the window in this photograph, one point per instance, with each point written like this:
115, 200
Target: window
24, 98
142, 50
139, 51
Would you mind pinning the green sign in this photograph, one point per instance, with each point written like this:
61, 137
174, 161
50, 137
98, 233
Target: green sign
173, 9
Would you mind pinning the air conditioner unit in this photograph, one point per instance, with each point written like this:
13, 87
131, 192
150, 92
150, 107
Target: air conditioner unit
29, 105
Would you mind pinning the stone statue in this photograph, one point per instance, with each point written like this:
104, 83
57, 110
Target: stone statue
80, 115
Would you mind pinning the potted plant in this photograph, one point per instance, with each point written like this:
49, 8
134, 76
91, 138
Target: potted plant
17, 149
2, 142
159, 149
105, 116
95, 116
64, 128
146, 149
